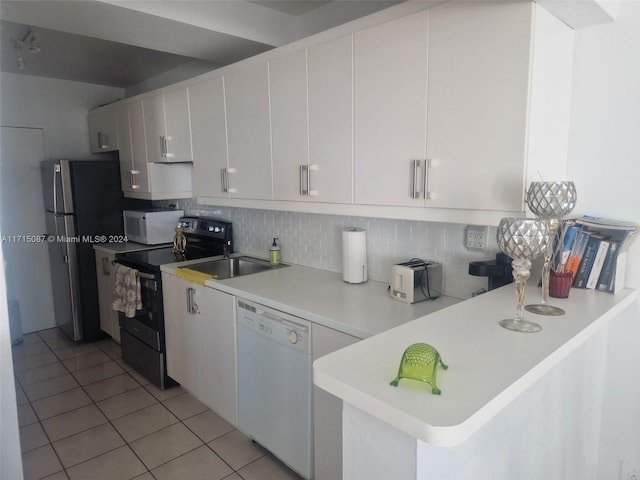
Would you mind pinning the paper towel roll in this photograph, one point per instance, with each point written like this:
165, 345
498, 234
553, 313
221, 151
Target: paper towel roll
354, 255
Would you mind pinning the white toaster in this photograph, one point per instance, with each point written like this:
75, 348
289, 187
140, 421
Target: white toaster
416, 280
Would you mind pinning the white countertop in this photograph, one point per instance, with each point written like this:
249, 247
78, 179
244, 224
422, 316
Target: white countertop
360, 310
489, 366
124, 247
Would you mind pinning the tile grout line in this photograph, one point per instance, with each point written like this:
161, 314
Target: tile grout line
110, 421
51, 443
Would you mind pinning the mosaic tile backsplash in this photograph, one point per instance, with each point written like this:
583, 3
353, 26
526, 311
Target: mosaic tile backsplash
315, 240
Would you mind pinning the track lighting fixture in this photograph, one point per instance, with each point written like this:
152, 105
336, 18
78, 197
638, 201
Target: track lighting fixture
31, 41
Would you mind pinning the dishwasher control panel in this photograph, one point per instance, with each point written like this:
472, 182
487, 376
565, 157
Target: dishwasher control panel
280, 327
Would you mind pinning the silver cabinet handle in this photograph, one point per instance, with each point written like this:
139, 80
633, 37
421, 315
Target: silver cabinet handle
103, 141
304, 180
420, 181
167, 139
192, 308
230, 189
415, 183
105, 267
224, 180
312, 168
163, 148
132, 179
427, 163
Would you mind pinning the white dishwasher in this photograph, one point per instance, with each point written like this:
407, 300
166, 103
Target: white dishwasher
274, 383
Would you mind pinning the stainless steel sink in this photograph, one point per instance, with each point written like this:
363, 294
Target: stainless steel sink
233, 267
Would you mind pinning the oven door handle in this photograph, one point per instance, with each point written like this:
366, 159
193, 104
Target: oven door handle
148, 276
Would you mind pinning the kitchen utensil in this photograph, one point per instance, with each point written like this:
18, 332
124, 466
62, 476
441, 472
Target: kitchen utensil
420, 362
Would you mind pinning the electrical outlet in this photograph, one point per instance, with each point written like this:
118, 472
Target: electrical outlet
477, 238
629, 472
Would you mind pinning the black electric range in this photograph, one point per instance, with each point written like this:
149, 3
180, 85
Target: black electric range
143, 336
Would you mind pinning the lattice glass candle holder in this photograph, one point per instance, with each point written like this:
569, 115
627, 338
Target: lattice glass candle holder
550, 201
523, 240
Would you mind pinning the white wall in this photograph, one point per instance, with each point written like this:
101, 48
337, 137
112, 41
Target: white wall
604, 161
58, 106
59, 109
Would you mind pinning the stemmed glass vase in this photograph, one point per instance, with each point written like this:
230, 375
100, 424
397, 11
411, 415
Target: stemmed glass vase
550, 201
523, 240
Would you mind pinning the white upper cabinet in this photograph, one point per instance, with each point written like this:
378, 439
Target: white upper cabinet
248, 133
312, 123
208, 138
103, 130
330, 80
289, 126
139, 178
452, 106
134, 177
478, 91
168, 134
390, 68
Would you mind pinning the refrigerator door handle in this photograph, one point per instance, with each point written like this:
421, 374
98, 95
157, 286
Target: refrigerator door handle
56, 172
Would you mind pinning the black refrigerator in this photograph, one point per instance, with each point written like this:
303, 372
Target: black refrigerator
83, 205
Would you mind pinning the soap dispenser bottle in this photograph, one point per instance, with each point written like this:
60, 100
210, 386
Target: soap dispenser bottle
274, 252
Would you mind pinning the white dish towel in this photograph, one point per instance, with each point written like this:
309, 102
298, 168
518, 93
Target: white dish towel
126, 291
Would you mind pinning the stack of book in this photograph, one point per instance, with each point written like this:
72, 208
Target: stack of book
594, 252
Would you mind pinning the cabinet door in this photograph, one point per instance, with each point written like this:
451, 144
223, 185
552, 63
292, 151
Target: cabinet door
180, 333
479, 65
133, 154
178, 134
390, 109
138, 148
154, 127
289, 126
208, 137
216, 347
126, 153
108, 317
330, 70
103, 133
248, 133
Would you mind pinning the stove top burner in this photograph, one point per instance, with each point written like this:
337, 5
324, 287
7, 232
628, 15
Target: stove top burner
161, 256
205, 237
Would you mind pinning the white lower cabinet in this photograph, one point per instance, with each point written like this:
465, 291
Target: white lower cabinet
201, 343
106, 279
327, 409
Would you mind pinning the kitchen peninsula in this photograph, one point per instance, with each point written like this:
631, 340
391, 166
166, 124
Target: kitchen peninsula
513, 405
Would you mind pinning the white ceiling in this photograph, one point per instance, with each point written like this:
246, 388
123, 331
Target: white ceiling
122, 43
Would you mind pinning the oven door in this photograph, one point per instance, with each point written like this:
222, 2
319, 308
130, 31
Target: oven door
147, 324
142, 337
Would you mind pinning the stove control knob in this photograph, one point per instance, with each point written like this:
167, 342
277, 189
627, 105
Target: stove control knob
293, 337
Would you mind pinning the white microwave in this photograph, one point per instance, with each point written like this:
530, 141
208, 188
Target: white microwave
151, 227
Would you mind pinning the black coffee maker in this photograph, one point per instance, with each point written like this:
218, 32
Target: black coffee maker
499, 270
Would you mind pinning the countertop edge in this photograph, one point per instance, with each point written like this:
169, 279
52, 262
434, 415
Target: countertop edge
452, 435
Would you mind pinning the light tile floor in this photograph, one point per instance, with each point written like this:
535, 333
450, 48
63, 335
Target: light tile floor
84, 414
